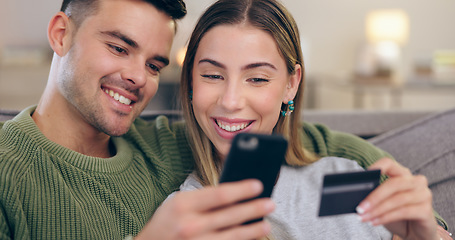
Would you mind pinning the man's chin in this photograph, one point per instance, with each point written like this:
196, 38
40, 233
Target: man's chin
115, 130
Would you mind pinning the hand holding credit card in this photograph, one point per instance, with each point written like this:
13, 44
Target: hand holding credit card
342, 192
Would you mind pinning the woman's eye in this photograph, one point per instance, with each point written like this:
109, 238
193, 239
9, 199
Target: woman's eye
258, 80
212, 76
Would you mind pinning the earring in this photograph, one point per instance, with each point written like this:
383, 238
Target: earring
191, 95
289, 109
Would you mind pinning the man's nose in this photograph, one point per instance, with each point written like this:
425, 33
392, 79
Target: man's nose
135, 73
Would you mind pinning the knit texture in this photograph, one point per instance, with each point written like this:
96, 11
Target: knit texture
50, 192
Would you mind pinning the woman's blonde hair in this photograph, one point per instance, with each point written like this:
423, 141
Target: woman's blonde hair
273, 18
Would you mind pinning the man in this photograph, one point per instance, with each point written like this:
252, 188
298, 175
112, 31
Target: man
77, 167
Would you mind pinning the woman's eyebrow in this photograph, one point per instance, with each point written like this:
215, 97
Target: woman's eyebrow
259, 64
213, 62
247, 67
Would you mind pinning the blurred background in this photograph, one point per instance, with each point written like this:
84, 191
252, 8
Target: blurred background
368, 55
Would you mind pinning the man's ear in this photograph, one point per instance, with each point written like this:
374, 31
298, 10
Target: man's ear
59, 33
293, 84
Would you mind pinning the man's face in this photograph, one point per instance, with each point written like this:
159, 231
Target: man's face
112, 69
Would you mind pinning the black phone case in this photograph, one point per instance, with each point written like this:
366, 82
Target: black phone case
256, 156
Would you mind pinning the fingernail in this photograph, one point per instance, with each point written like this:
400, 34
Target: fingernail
270, 205
359, 210
257, 186
362, 208
359, 218
375, 222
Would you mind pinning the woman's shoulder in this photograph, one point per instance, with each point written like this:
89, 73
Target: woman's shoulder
336, 164
316, 170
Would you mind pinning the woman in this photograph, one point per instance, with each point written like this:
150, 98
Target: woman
243, 72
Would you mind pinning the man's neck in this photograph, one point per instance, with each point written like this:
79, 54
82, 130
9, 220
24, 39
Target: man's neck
58, 124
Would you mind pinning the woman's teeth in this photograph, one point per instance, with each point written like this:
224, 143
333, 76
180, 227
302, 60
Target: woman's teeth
231, 127
118, 97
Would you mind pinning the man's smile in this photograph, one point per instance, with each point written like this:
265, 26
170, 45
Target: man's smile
120, 98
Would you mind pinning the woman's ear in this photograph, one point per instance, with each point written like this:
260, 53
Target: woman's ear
293, 84
59, 33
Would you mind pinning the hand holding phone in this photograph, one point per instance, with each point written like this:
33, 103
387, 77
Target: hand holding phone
255, 156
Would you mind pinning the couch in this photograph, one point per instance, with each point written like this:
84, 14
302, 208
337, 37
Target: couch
423, 141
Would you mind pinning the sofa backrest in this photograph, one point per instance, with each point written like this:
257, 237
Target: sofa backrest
427, 147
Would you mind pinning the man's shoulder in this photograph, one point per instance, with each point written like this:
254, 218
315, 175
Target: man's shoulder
14, 164
16, 148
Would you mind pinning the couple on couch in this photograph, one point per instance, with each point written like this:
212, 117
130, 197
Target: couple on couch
80, 165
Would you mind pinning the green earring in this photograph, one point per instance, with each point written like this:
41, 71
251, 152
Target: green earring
289, 109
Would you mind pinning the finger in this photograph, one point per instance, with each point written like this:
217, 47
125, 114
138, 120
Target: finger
223, 218
395, 186
390, 167
239, 213
419, 222
241, 232
225, 194
417, 212
443, 233
418, 196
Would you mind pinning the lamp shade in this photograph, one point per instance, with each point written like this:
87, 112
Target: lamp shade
387, 25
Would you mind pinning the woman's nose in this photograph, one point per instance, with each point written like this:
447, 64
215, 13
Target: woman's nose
232, 98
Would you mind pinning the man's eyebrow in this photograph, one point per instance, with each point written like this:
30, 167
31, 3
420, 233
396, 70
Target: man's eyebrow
121, 36
164, 60
133, 44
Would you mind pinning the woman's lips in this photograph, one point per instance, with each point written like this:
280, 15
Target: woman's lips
229, 128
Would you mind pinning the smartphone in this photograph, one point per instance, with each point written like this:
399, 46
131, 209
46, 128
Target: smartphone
255, 156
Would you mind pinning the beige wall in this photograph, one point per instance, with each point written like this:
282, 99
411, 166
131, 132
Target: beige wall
332, 30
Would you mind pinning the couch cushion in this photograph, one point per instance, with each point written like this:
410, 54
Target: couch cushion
427, 146
363, 123
7, 114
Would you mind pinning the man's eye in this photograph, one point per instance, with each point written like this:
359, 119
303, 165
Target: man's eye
154, 68
118, 49
212, 76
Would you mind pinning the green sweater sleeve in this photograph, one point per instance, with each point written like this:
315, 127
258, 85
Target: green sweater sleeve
324, 142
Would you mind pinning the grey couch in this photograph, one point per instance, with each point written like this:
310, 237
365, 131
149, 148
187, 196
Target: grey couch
421, 141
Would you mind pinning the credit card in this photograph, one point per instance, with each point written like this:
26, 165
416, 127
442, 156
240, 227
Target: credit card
342, 192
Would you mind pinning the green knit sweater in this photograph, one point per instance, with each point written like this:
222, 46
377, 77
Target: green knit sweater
50, 192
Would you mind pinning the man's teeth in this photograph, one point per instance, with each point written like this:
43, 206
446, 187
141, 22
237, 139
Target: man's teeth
118, 97
232, 128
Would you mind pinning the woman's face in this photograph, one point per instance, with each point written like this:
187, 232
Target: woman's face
239, 82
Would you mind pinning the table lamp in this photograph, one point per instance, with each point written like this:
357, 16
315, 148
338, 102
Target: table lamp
387, 32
